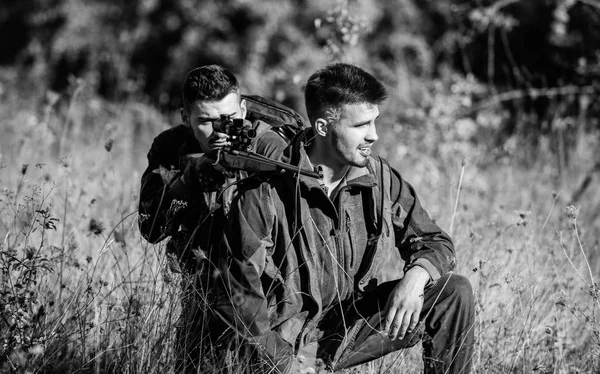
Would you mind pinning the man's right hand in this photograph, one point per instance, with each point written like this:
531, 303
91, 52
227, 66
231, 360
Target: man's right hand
202, 174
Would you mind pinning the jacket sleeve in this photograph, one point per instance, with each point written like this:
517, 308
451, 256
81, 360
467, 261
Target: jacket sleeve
161, 184
246, 241
240, 298
421, 242
271, 145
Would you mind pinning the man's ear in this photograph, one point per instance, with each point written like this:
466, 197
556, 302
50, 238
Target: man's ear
185, 118
243, 108
321, 127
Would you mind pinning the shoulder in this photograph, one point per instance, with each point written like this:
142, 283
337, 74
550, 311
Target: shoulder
166, 145
258, 184
268, 142
177, 134
255, 194
386, 171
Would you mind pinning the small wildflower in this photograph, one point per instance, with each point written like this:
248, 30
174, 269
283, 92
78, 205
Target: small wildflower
24, 169
572, 212
52, 98
199, 255
554, 194
65, 162
177, 205
40, 165
523, 214
30, 252
96, 227
561, 298
108, 145
120, 237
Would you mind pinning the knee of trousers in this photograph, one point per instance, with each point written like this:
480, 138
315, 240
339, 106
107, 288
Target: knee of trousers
458, 287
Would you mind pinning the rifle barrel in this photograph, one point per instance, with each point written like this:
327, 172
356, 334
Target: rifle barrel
280, 166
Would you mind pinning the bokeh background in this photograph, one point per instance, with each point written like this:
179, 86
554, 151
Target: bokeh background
493, 116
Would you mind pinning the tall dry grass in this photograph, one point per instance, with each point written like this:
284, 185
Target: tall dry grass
81, 292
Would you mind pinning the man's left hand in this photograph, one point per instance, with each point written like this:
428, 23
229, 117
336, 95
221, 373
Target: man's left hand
404, 304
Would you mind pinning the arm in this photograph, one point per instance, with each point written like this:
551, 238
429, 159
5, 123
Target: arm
427, 251
156, 193
247, 238
165, 195
240, 298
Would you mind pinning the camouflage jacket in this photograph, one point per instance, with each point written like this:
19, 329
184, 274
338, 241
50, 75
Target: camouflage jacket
167, 208
291, 252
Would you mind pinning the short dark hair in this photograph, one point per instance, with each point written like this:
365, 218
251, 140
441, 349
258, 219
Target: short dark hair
208, 83
340, 84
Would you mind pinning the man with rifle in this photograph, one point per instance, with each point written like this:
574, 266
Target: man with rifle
191, 175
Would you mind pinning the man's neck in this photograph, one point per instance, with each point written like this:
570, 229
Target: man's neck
333, 172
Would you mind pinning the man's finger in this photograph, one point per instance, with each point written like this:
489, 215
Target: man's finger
413, 323
406, 321
395, 325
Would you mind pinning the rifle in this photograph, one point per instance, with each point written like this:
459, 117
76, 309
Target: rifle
239, 155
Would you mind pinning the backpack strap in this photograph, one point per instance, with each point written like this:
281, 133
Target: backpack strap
385, 182
386, 173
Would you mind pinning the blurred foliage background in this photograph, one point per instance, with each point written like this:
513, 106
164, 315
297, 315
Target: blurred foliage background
497, 82
495, 72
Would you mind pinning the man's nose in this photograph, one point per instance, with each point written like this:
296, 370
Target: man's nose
372, 134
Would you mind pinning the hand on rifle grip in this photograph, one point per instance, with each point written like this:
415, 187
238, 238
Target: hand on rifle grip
204, 173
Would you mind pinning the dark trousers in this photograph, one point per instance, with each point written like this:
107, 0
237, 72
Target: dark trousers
342, 341
446, 328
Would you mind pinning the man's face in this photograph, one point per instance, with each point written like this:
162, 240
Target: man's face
353, 133
202, 114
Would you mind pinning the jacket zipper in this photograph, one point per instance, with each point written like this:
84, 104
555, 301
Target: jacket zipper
350, 240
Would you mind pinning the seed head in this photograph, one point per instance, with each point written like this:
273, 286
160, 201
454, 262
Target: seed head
572, 212
108, 145
96, 227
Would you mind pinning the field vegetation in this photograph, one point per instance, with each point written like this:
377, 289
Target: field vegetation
502, 148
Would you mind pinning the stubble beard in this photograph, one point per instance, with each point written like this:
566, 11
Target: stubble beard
357, 161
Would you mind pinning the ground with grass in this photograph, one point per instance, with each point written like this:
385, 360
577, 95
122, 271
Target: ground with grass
81, 291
